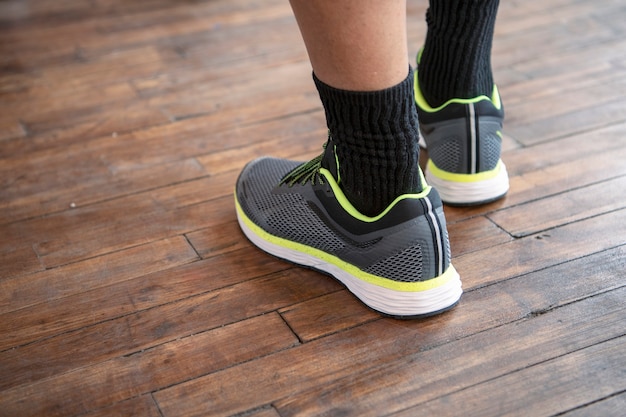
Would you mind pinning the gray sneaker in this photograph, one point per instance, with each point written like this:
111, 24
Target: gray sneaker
464, 138
397, 263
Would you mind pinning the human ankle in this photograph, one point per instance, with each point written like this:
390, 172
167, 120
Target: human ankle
375, 135
456, 59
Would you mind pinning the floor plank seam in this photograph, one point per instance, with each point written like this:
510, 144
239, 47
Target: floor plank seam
582, 407
481, 286
495, 378
539, 234
88, 258
221, 369
123, 196
135, 312
191, 245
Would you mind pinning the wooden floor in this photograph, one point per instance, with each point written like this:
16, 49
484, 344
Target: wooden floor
127, 288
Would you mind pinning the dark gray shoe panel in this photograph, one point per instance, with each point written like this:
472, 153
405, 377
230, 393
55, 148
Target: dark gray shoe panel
452, 133
406, 251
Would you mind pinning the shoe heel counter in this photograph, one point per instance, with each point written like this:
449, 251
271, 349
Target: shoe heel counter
446, 253
490, 144
441, 255
422, 247
464, 138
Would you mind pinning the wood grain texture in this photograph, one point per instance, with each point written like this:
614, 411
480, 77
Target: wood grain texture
127, 287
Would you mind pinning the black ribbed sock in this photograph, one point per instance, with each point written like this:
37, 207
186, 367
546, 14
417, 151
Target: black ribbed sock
456, 60
376, 139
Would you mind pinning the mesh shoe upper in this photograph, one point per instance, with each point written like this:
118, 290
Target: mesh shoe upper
406, 243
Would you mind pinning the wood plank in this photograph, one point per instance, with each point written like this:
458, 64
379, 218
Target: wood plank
582, 120
570, 59
87, 388
564, 176
326, 315
580, 148
205, 18
350, 352
158, 315
225, 50
521, 20
33, 195
266, 411
85, 232
84, 105
550, 212
594, 90
106, 68
127, 288
73, 279
548, 87
551, 39
119, 296
137, 406
217, 239
155, 145
18, 259
298, 137
114, 26
12, 13
533, 253
571, 29
68, 86
333, 320
122, 164
283, 90
414, 382
103, 68
611, 406
575, 379
10, 128
475, 234
109, 122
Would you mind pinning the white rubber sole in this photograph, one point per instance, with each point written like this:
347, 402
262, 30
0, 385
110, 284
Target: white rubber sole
468, 193
400, 304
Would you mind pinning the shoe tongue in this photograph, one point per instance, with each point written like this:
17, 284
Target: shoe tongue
329, 159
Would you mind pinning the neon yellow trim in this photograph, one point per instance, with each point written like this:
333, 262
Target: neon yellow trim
337, 164
423, 104
454, 177
419, 55
349, 208
351, 269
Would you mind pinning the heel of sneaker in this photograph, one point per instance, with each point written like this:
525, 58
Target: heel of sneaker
469, 189
397, 299
445, 293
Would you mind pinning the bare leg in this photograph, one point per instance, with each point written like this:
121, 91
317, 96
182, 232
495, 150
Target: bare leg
357, 45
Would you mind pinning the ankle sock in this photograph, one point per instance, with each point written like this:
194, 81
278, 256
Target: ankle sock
376, 138
456, 59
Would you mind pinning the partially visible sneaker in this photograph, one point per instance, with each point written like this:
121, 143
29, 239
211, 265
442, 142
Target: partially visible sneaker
397, 263
464, 138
